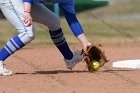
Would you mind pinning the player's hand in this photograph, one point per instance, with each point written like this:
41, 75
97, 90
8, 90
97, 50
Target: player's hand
27, 19
86, 46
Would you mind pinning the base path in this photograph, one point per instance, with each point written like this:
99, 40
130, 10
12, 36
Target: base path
42, 70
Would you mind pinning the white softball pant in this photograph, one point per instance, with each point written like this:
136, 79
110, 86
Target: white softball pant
13, 11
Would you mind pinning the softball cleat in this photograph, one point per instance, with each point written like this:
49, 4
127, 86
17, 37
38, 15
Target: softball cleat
77, 57
4, 71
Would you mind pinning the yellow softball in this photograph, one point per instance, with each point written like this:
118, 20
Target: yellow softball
95, 65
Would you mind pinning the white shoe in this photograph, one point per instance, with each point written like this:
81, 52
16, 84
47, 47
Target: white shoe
4, 71
77, 57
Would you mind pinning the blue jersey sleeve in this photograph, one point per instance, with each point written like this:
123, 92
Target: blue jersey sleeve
29, 1
73, 22
70, 15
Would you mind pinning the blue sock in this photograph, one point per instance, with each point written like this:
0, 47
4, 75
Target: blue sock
11, 46
60, 42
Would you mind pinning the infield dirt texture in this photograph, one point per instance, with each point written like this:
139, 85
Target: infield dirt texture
42, 70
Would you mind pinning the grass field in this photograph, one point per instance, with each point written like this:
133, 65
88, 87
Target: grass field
96, 30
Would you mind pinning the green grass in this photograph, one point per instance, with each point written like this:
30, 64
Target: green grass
95, 29
6, 31
124, 7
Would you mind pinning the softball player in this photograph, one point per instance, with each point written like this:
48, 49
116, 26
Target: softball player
69, 11
15, 13
42, 14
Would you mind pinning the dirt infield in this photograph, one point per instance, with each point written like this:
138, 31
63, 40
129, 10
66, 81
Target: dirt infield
42, 70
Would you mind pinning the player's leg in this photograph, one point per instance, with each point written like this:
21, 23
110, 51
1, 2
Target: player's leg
70, 15
13, 11
43, 15
49, 19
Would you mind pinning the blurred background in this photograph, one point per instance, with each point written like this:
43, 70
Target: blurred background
103, 21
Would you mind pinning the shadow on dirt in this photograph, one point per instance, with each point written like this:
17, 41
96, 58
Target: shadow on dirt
54, 72
74, 71
59, 71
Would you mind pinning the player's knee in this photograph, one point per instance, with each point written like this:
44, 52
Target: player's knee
26, 37
32, 37
54, 25
29, 38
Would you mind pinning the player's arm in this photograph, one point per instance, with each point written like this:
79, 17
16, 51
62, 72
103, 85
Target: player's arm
27, 11
76, 28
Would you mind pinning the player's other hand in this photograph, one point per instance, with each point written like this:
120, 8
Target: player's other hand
27, 19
